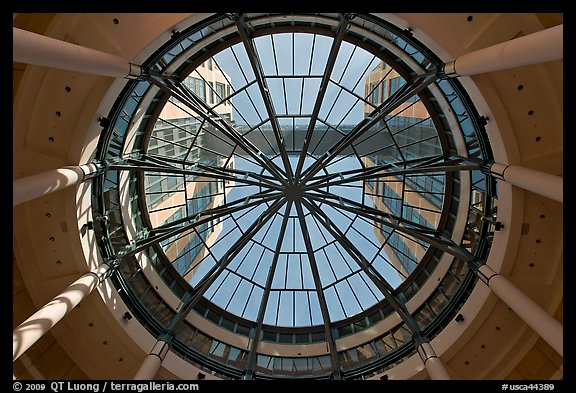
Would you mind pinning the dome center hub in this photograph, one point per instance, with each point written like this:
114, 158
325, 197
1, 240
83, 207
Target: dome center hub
294, 192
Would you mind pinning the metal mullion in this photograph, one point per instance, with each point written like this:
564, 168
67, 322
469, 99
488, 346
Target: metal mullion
335, 362
285, 97
278, 306
177, 126
257, 127
348, 63
263, 181
362, 140
330, 62
411, 125
301, 273
193, 143
261, 244
362, 262
276, 66
421, 207
309, 306
405, 109
247, 301
339, 84
251, 361
235, 290
329, 126
220, 285
299, 76
333, 103
354, 293
378, 84
208, 249
328, 258
168, 142
340, 301
351, 92
260, 177
412, 239
312, 54
403, 94
293, 52
384, 243
251, 279
345, 276
419, 141
301, 97
165, 208
361, 234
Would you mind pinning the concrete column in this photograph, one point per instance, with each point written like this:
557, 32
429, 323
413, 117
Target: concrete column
32, 48
535, 48
541, 183
31, 187
29, 331
150, 366
434, 366
537, 318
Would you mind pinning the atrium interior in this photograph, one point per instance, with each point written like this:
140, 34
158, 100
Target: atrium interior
253, 196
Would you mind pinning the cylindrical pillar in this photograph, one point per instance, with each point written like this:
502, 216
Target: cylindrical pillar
537, 318
31, 187
535, 48
150, 366
29, 331
541, 183
32, 48
433, 364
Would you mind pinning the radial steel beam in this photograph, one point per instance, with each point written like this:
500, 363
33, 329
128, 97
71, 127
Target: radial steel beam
364, 264
384, 109
231, 253
145, 165
191, 100
436, 164
252, 355
270, 180
222, 210
330, 62
428, 235
264, 91
335, 361
164, 232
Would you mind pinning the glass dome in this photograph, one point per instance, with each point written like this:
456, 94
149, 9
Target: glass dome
295, 180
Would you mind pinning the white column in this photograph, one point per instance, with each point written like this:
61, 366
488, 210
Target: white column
541, 183
32, 48
537, 318
29, 331
150, 366
433, 364
535, 48
31, 187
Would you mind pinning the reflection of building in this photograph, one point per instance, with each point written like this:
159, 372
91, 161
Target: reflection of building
416, 198
170, 197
